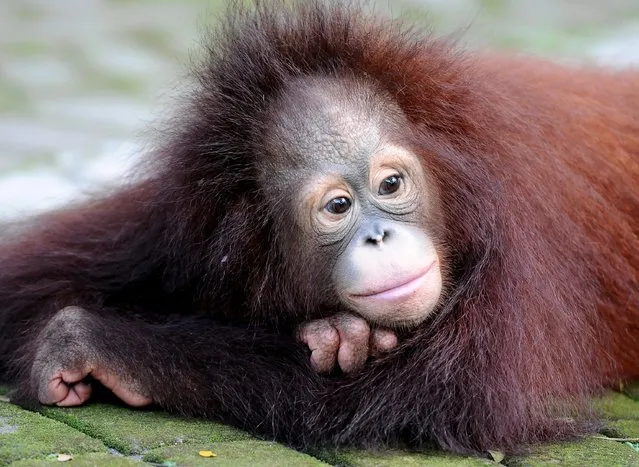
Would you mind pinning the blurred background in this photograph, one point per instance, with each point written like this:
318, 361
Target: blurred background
82, 81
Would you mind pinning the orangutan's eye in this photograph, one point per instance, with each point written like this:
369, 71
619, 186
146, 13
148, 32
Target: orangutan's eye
338, 205
390, 185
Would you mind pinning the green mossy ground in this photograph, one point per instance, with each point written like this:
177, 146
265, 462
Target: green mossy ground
133, 432
247, 453
116, 436
25, 435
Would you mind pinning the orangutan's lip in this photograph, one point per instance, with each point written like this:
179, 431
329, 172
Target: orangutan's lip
400, 290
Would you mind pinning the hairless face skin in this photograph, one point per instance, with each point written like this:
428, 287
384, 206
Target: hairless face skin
363, 199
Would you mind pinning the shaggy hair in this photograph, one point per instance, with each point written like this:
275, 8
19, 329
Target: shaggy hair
195, 289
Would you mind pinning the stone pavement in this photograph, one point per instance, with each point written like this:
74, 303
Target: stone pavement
117, 436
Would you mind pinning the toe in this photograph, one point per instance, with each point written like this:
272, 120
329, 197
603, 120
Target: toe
125, 391
77, 394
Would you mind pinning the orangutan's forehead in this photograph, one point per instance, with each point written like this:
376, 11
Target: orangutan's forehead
326, 122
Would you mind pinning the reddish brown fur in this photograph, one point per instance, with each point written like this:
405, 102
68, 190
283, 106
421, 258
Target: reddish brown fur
538, 170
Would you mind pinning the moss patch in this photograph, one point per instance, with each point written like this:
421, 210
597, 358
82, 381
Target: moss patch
86, 432
617, 406
28, 435
393, 458
84, 460
577, 454
624, 428
235, 453
137, 431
